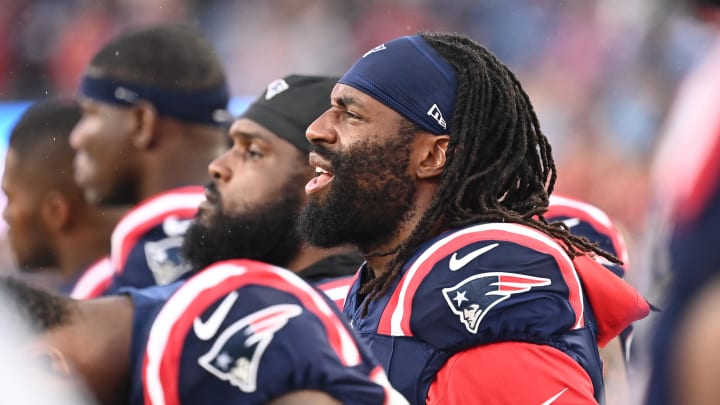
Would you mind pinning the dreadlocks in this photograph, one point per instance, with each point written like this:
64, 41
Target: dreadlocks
499, 164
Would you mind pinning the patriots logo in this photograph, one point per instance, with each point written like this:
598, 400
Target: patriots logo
164, 257
472, 298
235, 355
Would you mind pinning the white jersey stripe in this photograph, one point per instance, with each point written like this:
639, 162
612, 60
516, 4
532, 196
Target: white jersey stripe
92, 278
596, 213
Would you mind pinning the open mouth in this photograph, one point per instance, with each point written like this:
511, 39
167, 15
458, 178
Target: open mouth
322, 177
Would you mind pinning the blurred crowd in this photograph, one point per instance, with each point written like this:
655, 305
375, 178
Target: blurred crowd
600, 72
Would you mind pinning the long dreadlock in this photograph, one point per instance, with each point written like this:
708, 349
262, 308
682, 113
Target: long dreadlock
499, 164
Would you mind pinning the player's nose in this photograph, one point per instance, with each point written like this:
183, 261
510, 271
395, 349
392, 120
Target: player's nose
321, 130
219, 169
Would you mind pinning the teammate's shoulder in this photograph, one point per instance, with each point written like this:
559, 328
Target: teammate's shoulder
239, 324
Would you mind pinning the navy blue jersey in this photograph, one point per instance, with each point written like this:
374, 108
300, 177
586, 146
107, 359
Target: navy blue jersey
491, 283
147, 241
246, 332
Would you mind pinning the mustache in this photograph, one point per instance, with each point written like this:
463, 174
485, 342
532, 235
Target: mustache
324, 152
211, 192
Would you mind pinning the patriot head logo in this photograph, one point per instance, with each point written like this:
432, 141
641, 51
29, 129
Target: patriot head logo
472, 298
235, 356
164, 257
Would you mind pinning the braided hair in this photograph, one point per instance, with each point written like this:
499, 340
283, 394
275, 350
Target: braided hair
499, 164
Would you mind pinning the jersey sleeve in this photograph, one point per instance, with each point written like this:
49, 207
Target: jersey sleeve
513, 373
486, 290
259, 342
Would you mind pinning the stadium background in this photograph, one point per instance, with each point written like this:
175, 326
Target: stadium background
601, 73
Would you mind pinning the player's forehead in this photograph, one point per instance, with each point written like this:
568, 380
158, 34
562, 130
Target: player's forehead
13, 167
348, 97
247, 130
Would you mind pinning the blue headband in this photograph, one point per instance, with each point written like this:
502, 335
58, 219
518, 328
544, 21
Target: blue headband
198, 106
412, 78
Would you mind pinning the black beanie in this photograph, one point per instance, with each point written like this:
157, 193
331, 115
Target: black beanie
290, 105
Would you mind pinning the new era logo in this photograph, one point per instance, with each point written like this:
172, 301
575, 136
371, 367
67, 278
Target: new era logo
434, 112
276, 87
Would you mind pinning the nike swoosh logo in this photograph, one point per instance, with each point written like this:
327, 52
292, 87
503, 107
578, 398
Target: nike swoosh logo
457, 264
571, 222
554, 398
206, 330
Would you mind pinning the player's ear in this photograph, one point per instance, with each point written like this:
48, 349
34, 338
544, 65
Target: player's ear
432, 154
50, 360
145, 121
56, 211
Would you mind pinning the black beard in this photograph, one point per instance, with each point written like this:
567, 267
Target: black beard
371, 194
266, 233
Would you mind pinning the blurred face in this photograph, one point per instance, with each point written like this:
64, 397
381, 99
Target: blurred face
362, 191
105, 154
252, 201
28, 237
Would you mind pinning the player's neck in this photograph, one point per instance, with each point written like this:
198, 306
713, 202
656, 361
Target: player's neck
106, 360
380, 256
310, 255
166, 174
93, 238
180, 160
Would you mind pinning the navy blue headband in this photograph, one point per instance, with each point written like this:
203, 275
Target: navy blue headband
412, 78
197, 106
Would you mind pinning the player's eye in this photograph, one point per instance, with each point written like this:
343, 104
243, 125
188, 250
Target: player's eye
254, 152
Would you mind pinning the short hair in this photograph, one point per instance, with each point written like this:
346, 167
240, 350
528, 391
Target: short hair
41, 309
169, 56
47, 120
41, 138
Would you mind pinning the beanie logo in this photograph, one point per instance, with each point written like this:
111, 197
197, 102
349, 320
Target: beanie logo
434, 112
276, 87
378, 48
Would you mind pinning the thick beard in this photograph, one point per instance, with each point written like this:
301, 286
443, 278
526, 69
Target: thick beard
266, 233
370, 196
